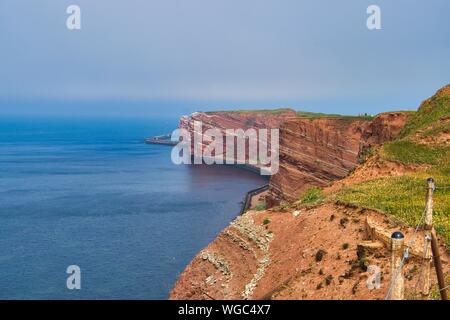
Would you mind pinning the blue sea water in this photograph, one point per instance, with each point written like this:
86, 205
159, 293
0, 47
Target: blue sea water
89, 192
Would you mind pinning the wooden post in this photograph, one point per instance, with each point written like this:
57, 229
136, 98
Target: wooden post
397, 281
426, 260
438, 265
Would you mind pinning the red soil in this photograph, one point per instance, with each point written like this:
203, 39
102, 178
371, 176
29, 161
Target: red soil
279, 259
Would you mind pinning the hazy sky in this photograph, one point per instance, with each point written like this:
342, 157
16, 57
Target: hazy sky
161, 57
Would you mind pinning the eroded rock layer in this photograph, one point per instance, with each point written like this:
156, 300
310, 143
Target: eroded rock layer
315, 152
310, 253
225, 120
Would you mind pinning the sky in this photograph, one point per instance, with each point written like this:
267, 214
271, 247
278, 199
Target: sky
173, 57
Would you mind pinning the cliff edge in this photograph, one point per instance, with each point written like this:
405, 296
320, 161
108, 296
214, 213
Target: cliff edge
343, 186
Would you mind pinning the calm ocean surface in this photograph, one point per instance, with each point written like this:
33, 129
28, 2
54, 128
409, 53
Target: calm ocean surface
91, 193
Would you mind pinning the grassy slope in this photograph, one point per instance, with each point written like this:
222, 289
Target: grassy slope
316, 115
404, 197
272, 111
302, 114
429, 114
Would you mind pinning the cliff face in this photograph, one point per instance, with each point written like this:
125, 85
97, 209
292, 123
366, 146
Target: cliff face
315, 152
385, 127
298, 254
323, 251
262, 119
273, 255
238, 119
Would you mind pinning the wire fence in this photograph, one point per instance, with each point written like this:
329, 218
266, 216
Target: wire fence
406, 253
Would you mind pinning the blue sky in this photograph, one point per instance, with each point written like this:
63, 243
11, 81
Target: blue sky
170, 57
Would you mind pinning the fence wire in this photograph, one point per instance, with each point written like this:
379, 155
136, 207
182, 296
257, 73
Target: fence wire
444, 288
405, 253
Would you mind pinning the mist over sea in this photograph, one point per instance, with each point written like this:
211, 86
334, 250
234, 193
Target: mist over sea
89, 192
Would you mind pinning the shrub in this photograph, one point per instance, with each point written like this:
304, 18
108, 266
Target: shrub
320, 254
260, 206
312, 196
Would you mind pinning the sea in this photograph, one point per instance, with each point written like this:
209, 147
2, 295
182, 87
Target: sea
88, 192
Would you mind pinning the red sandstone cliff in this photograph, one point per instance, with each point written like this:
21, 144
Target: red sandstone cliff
223, 120
315, 152
254, 260
238, 119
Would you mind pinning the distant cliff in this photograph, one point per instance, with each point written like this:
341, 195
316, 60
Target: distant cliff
239, 119
315, 149
251, 119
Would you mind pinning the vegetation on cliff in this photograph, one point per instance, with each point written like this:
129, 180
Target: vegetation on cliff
409, 152
317, 115
313, 244
312, 196
271, 111
423, 143
302, 114
430, 115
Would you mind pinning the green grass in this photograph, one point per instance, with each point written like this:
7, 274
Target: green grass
271, 111
366, 153
436, 129
430, 112
404, 197
435, 294
408, 152
317, 115
312, 196
303, 114
260, 206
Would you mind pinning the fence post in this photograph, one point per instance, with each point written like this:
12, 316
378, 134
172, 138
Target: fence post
426, 261
438, 265
397, 281
434, 242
